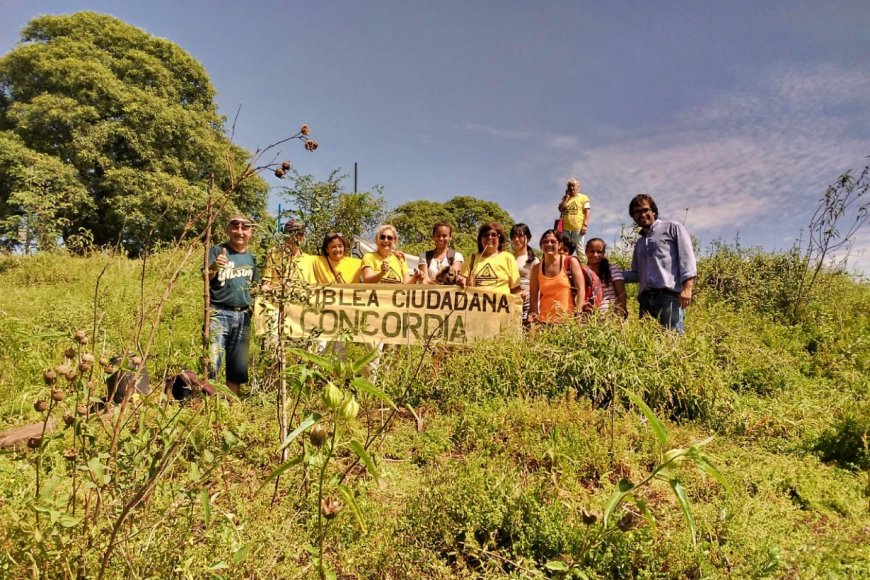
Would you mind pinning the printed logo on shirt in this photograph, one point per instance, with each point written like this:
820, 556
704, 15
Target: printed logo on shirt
392, 276
230, 271
486, 276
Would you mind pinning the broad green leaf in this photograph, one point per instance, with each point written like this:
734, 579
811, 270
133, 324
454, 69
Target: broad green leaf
623, 488
364, 360
351, 501
206, 507
305, 424
241, 553
680, 492
368, 388
657, 426
219, 566
323, 362
279, 470
701, 461
364, 456
556, 566
674, 456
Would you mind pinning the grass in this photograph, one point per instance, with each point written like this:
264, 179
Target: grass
519, 438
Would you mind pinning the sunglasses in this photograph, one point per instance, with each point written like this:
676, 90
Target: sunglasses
387, 238
237, 223
490, 235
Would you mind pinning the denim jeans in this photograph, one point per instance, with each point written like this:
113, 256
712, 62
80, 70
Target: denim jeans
580, 240
664, 306
230, 335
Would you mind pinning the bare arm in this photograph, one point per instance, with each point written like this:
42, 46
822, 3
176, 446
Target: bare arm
579, 283
621, 302
533, 293
686, 293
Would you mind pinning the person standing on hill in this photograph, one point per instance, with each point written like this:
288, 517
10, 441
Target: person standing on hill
232, 270
663, 264
575, 212
288, 262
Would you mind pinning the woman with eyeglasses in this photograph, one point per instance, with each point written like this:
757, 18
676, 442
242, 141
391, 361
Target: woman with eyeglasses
384, 266
557, 285
334, 265
525, 256
491, 268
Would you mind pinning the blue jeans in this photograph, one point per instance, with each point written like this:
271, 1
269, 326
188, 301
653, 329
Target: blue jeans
230, 335
664, 306
579, 239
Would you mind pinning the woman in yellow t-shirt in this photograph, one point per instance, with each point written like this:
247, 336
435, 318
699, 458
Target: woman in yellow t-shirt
334, 265
492, 268
384, 266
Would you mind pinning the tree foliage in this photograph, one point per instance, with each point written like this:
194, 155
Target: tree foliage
324, 208
106, 128
415, 219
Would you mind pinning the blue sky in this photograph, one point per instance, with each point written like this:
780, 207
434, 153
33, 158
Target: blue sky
742, 112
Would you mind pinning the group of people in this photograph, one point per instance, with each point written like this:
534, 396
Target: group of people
554, 287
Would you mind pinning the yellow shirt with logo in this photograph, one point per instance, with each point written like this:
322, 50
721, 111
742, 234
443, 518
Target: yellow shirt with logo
398, 269
498, 272
281, 265
572, 215
346, 270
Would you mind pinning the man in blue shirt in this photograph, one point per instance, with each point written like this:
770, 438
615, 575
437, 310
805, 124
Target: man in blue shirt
232, 270
663, 264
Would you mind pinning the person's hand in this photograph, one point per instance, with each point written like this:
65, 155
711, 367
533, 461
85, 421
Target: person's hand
685, 296
222, 259
399, 254
385, 268
461, 281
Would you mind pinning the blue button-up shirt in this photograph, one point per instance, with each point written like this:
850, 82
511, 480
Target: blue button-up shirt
663, 258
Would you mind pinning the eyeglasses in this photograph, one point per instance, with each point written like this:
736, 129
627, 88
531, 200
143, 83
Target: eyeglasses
387, 238
490, 235
244, 225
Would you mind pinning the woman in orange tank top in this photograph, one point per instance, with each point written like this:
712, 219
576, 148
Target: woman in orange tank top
551, 296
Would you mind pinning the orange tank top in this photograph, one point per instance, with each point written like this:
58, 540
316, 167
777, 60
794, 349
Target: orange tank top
556, 299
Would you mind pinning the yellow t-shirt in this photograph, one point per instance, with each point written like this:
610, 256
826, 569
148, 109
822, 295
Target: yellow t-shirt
346, 270
498, 272
281, 265
573, 213
398, 269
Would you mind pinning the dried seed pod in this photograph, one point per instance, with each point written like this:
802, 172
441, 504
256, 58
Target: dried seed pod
589, 518
58, 395
49, 376
627, 522
70, 353
68, 419
104, 361
71, 375
279, 173
330, 507
88, 358
70, 454
34, 442
317, 435
286, 166
40, 406
62, 369
311, 145
305, 130
81, 337
85, 366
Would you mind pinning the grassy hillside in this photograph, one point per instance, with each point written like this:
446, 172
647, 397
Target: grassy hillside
516, 446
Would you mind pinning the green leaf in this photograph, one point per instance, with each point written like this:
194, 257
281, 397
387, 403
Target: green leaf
279, 470
556, 566
701, 461
623, 488
305, 424
350, 501
323, 362
368, 388
241, 553
644, 510
364, 456
680, 492
364, 360
206, 506
658, 426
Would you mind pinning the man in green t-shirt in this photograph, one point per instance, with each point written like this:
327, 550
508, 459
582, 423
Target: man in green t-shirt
232, 270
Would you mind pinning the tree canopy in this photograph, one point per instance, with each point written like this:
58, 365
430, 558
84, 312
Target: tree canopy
107, 130
414, 221
324, 208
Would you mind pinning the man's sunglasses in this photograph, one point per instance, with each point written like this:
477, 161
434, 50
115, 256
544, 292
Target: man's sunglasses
237, 223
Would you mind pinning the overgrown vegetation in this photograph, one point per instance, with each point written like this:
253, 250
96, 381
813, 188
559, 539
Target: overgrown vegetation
504, 462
